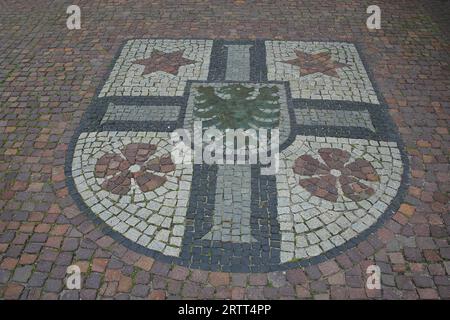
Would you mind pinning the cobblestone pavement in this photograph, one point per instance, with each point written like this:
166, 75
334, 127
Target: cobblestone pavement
87, 178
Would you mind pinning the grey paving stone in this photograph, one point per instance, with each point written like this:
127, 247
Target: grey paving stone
37, 279
238, 62
232, 205
141, 113
327, 117
22, 274
4, 276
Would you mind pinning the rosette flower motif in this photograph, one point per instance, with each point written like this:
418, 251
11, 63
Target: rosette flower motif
332, 175
135, 162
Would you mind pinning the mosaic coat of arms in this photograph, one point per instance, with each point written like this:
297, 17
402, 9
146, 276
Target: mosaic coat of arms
341, 168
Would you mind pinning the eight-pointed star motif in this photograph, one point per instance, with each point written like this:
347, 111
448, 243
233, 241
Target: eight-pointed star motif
162, 61
316, 62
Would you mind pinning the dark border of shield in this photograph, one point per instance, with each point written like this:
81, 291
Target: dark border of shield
390, 133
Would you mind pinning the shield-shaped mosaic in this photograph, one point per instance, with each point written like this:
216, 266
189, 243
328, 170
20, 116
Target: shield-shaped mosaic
341, 169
